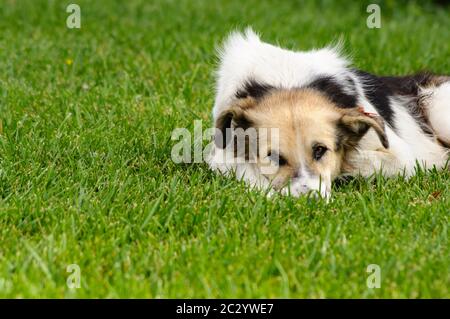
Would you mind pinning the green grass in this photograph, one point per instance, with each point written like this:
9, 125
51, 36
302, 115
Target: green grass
86, 175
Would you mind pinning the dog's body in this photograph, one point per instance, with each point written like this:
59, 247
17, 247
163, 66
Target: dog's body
387, 124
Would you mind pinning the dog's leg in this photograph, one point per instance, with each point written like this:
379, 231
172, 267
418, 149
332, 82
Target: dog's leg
437, 109
368, 162
224, 162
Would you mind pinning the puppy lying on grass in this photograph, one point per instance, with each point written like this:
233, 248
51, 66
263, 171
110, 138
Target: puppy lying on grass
295, 121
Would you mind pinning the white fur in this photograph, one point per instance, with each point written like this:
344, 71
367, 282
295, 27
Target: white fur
438, 109
245, 56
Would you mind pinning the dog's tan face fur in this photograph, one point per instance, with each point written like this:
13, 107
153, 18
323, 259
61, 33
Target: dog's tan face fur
311, 138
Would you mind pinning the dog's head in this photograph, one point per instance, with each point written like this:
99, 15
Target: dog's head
301, 132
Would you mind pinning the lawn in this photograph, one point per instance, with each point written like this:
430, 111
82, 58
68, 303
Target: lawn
86, 177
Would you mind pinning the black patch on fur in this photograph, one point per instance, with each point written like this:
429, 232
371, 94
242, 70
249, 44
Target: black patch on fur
378, 93
242, 122
407, 85
335, 91
378, 89
253, 89
224, 125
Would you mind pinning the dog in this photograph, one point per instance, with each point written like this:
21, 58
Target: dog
325, 118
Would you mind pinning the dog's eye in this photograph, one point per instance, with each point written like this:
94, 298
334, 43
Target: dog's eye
319, 151
277, 158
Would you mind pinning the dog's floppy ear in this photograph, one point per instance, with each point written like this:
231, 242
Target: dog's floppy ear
355, 124
232, 118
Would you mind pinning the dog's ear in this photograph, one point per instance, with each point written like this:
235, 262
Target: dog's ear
232, 118
355, 124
